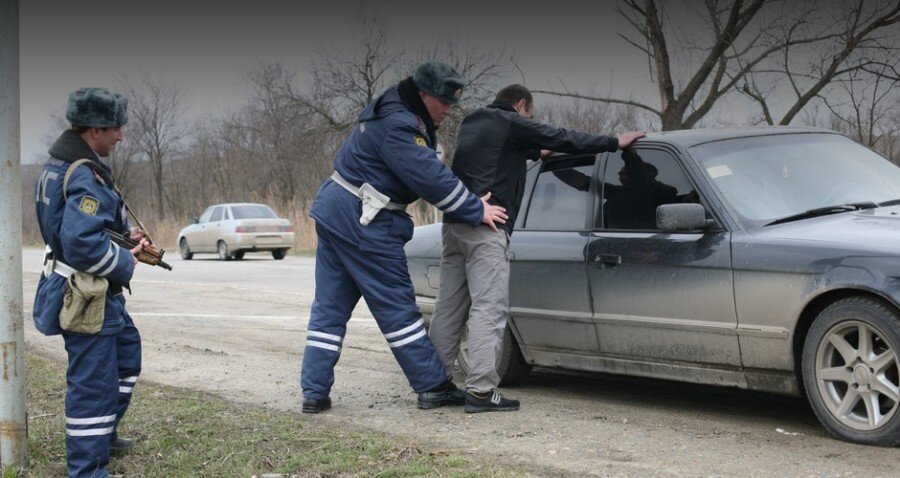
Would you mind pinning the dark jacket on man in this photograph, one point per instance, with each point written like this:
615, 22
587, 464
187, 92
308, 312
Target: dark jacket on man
494, 144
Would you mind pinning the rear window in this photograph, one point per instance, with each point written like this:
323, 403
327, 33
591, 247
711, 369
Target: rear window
252, 212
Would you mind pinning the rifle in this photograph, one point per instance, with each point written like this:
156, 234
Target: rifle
148, 255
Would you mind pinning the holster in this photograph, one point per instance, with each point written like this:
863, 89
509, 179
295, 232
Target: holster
84, 303
372, 202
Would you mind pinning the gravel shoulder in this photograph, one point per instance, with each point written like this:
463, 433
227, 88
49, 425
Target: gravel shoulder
237, 329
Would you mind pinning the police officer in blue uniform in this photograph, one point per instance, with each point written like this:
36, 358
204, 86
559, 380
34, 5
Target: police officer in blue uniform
387, 162
103, 364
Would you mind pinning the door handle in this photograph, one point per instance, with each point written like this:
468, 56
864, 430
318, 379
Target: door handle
611, 260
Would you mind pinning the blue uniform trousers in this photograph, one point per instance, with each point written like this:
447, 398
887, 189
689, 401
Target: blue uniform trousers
100, 377
343, 274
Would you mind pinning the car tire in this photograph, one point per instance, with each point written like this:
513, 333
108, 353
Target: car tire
222, 249
185, 250
278, 254
511, 366
850, 367
237, 255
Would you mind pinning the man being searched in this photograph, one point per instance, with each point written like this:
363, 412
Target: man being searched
493, 145
79, 295
388, 161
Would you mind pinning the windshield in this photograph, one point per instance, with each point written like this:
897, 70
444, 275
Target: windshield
256, 211
768, 178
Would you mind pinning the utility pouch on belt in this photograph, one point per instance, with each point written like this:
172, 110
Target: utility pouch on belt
84, 303
372, 199
372, 202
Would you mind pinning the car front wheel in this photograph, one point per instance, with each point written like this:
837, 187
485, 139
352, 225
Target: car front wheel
224, 255
511, 366
851, 370
184, 249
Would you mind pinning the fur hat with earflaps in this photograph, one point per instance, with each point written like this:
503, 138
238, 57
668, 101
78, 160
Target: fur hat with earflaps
97, 108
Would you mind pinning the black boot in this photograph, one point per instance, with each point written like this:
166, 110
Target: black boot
443, 395
312, 405
489, 402
120, 445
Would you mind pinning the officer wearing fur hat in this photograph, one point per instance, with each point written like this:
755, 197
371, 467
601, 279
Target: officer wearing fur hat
387, 162
79, 295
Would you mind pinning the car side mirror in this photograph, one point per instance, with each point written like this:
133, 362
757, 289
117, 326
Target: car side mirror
682, 217
195, 220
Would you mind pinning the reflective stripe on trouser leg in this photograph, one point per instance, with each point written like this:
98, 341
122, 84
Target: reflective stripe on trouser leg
128, 352
451, 310
336, 296
92, 394
385, 284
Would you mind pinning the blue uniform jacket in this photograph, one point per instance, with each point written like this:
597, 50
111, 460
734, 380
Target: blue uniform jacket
390, 149
74, 231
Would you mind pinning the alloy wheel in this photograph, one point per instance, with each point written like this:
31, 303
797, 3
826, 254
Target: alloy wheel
857, 375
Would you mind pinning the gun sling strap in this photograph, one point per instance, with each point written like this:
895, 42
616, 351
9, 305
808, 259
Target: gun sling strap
91, 164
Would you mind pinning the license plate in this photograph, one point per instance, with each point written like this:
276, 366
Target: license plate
268, 239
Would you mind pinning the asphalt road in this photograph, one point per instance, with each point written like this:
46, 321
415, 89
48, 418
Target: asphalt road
238, 328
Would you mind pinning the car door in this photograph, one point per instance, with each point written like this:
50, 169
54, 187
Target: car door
550, 308
226, 227
658, 296
209, 229
214, 228
196, 237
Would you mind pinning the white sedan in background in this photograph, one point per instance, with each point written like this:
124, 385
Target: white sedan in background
230, 230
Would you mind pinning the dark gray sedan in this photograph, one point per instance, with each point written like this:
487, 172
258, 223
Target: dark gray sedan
760, 258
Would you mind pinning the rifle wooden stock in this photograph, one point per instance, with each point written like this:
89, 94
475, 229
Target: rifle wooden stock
148, 255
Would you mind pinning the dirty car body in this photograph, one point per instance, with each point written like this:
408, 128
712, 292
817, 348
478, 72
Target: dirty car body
760, 258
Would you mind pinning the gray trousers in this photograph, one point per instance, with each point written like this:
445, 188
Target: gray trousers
474, 292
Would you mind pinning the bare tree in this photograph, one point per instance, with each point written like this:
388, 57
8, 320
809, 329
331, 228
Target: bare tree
280, 146
865, 114
155, 109
859, 47
122, 161
305, 124
345, 80
590, 116
349, 79
281, 135
482, 69
293, 129
748, 47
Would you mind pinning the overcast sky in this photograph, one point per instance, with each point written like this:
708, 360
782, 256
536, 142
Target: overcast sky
204, 46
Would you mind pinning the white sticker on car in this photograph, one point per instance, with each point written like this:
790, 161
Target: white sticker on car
719, 171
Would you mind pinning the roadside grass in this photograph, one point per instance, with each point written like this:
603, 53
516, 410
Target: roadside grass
182, 433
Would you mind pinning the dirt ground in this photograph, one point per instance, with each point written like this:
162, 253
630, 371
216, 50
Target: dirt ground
238, 329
